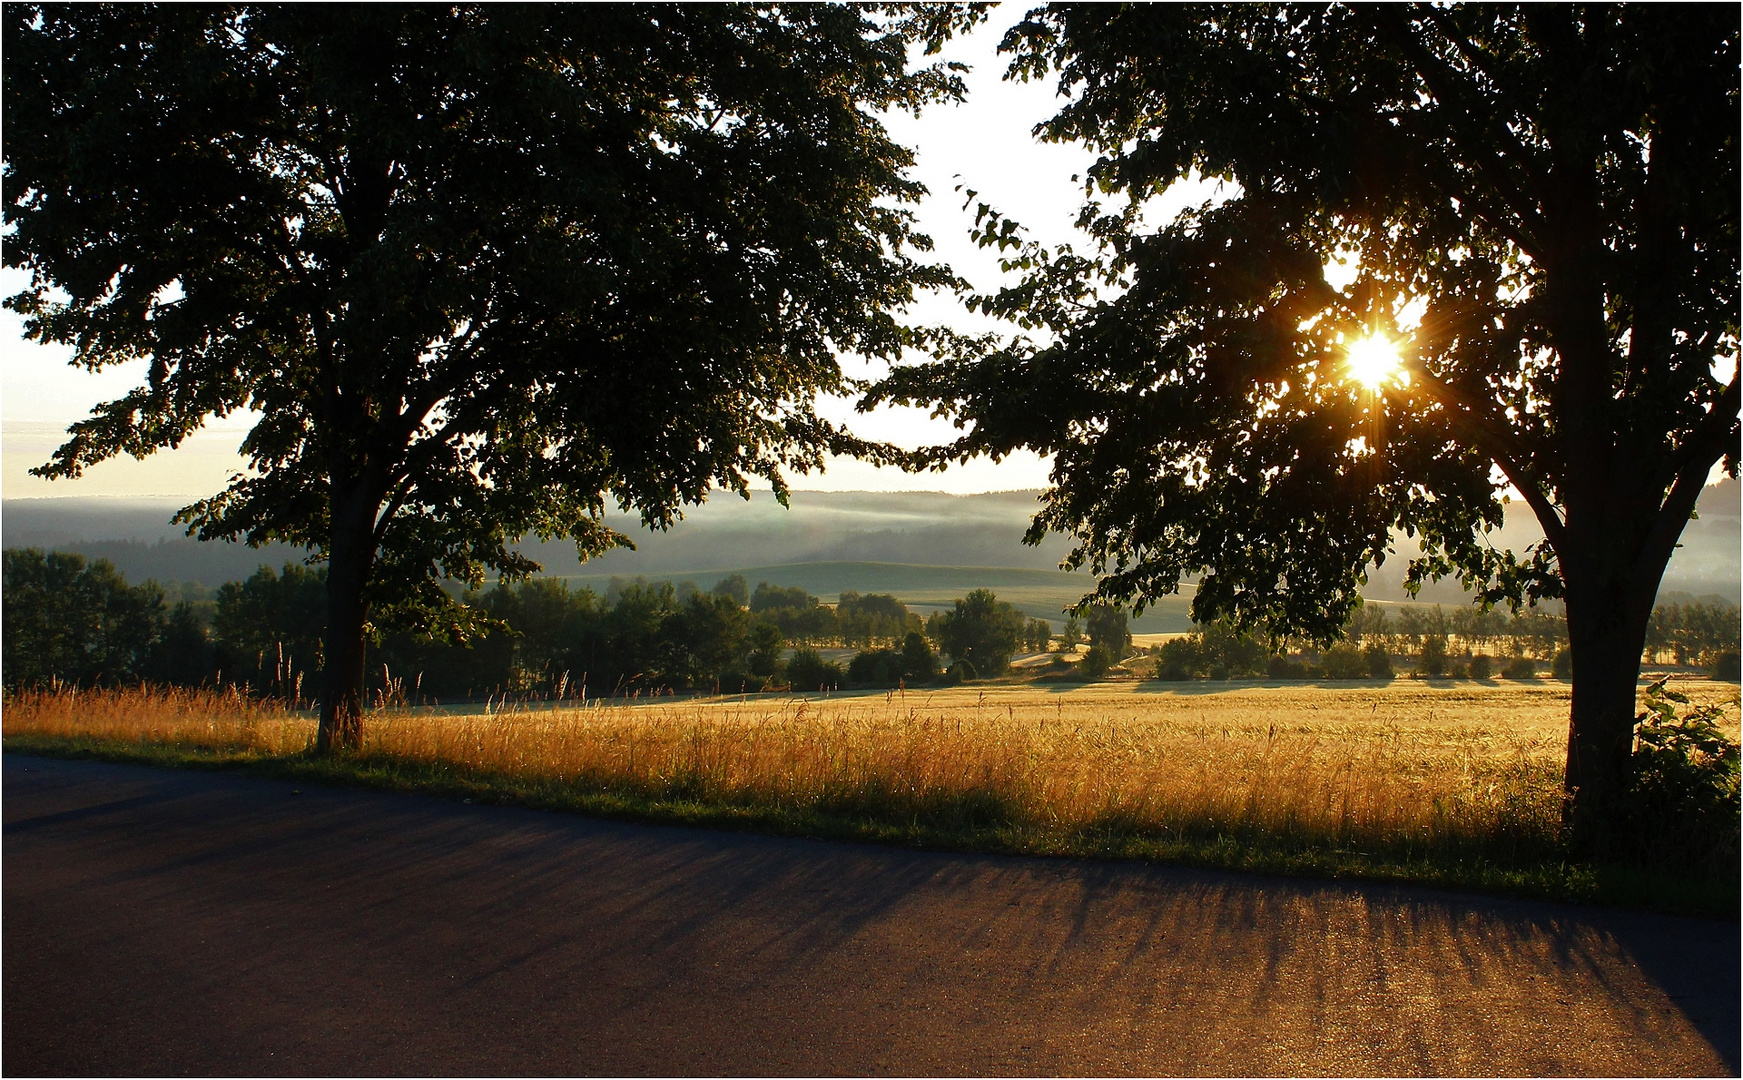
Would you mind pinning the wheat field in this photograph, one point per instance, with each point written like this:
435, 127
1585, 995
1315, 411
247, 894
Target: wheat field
1403, 766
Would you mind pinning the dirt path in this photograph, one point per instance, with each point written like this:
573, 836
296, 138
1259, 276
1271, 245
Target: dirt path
162, 922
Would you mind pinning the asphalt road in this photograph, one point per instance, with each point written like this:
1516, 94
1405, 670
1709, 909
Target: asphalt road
160, 922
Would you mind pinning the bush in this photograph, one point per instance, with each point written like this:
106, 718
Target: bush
1563, 668
1378, 660
960, 672
1482, 666
1216, 650
808, 671
1179, 659
741, 682
919, 662
1521, 667
1681, 806
1727, 666
1096, 662
1281, 667
1344, 661
963, 671
875, 667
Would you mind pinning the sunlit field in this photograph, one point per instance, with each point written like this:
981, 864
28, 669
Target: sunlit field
1405, 771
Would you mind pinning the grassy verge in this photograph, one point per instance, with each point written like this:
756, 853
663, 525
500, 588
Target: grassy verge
970, 822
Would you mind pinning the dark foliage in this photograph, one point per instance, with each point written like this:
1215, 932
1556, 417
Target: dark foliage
875, 667
1520, 667
1682, 808
982, 630
1109, 630
807, 671
919, 662
482, 271
872, 619
1217, 651
80, 624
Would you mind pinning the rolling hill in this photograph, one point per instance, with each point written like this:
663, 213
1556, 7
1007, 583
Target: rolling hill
926, 547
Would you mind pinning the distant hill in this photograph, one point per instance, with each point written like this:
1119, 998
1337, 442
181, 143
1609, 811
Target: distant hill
945, 541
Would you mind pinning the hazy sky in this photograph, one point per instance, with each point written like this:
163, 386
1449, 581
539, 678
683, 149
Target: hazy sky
985, 144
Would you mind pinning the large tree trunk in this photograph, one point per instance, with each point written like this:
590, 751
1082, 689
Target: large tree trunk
350, 558
1607, 634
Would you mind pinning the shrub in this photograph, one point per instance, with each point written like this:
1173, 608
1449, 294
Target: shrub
1344, 661
808, 671
1281, 667
741, 682
1521, 667
1727, 666
960, 672
1179, 659
1378, 659
1681, 806
1096, 662
875, 667
1563, 667
1482, 666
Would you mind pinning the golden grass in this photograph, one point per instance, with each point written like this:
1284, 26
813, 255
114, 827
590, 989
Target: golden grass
1407, 768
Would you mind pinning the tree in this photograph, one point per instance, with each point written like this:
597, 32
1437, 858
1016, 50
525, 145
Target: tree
480, 270
735, 588
74, 622
1109, 630
983, 630
1537, 208
267, 631
919, 664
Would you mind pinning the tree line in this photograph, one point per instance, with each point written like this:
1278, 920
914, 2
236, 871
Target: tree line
1441, 643
80, 623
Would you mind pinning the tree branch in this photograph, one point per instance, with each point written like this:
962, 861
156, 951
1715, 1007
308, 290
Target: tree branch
1491, 438
1466, 124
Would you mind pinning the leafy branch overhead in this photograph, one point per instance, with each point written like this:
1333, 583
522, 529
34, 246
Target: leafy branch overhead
1541, 206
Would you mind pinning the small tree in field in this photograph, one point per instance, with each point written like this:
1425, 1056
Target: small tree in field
481, 271
1110, 631
983, 630
1536, 208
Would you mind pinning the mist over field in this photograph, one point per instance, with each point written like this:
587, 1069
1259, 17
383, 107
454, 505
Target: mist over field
927, 547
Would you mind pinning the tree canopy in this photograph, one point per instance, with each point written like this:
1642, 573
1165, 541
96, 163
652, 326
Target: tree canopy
481, 271
1539, 205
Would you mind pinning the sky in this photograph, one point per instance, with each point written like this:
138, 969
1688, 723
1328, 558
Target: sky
984, 144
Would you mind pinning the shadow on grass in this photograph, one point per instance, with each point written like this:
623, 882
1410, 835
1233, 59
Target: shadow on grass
975, 820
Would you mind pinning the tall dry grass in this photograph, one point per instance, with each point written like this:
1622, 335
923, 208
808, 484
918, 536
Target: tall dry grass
224, 721
1402, 770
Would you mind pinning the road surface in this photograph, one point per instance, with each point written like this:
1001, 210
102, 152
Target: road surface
164, 922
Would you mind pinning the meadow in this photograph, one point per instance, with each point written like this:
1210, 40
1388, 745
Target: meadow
1454, 783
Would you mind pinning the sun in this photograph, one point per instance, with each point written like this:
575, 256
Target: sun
1373, 361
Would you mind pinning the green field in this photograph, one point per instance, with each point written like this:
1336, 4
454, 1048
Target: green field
1039, 594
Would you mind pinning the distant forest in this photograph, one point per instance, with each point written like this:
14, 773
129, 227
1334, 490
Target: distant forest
76, 622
